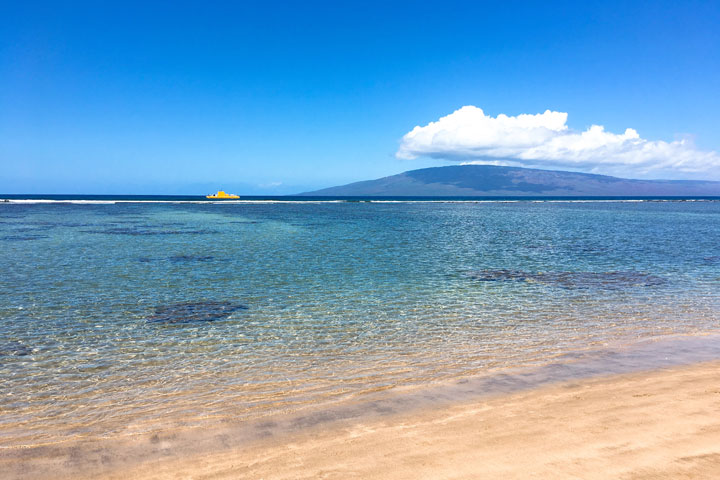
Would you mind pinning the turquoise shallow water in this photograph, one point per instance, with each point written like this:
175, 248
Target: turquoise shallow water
124, 317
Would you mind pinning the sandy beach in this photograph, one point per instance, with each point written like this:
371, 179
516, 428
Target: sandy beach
658, 424
653, 425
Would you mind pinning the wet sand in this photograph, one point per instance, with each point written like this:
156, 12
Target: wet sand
658, 424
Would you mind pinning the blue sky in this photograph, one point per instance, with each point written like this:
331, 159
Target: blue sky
265, 98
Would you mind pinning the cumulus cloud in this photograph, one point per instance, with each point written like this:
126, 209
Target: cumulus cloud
544, 140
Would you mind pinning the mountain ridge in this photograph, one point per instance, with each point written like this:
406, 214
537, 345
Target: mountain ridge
491, 180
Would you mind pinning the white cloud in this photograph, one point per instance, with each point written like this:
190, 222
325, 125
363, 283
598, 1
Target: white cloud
544, 140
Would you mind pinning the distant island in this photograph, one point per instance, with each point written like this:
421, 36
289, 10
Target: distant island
490, 180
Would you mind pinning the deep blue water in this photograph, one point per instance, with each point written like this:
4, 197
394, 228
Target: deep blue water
131, 315
305, 198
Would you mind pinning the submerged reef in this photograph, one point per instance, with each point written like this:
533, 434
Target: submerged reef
571, 280
149, 230
189, 312
178, 259
14, 349
190, 258
714, 260
20, 238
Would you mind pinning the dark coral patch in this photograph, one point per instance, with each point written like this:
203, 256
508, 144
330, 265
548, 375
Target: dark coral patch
136, 232
190, 312
14, 349
20, 238
498, 275
190, 258
572, 280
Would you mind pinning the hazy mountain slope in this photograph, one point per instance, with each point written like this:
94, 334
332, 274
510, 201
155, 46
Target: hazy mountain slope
488, 180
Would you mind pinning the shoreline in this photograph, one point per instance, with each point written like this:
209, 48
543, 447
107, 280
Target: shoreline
679, 365
659, 424
663, 423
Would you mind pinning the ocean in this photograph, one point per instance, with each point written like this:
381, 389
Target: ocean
122, 315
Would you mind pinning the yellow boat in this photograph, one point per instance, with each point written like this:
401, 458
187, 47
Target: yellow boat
222, 195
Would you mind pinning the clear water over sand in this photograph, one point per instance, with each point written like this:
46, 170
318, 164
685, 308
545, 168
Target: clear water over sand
124, 318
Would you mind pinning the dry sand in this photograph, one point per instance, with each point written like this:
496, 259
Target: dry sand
660, 424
